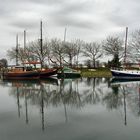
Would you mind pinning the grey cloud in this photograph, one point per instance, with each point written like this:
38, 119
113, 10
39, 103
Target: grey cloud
125, 14
76, 7
25, 24
75, 23
125, 19
71, 14
51, 2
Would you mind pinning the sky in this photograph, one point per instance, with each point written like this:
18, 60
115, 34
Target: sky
88, 20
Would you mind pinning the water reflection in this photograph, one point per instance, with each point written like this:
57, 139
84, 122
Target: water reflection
130, 90
75, 93
44, 93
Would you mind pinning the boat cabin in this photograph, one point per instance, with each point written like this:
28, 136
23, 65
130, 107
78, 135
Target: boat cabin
20, 69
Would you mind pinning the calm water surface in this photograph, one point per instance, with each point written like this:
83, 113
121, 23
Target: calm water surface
78, 109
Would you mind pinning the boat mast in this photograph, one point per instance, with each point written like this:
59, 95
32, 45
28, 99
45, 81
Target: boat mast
17, 50
125, 45
41, 44
24, 40
25, 44
61, 61
65, 34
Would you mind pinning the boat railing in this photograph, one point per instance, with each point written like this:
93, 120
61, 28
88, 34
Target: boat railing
125, 69
115, 68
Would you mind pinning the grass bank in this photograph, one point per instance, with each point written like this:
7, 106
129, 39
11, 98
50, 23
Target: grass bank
99, 72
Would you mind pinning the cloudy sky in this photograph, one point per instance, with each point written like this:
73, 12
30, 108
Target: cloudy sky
89, 20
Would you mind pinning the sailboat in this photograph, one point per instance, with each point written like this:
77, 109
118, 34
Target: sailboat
124, 73
66, 72
45, 72
19, 72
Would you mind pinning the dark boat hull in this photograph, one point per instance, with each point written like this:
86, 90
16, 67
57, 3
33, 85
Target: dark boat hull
49, 80
21, 75
68, 75
48, 73
125, 74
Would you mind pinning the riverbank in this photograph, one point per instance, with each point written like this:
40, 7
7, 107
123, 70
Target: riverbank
99, 72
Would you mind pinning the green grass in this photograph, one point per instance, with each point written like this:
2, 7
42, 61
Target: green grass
100, 72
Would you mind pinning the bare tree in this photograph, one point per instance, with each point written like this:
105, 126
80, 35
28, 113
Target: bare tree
78, 49
134, 46
113, 46
12, 54
57, 49
4, 62
92, 51
70, 51
35, 53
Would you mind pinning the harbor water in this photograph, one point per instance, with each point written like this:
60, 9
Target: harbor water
70, 109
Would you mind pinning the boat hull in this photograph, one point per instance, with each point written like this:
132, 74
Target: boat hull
68, 75
66, 72
130, 74
48, 73
21, 75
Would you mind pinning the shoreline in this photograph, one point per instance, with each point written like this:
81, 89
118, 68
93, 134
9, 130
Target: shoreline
96, 73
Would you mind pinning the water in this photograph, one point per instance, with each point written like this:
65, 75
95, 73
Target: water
78, 109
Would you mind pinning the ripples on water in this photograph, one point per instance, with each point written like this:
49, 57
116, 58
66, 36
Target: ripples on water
79, 109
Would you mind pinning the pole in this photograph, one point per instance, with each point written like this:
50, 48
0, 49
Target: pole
24, 44
65, 34
17, 50
61, 61
41, 44
125, 45
24, 40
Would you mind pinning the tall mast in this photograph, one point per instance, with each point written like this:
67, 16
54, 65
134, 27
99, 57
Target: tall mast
25, 44
41, 44
17, 50
65, 34
125, 45
24, 40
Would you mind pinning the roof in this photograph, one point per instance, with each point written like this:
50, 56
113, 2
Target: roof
31, 62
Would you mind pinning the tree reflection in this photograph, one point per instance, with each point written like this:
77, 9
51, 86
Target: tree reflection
92, 96
44, 94
113, 99
133, 99
72, 93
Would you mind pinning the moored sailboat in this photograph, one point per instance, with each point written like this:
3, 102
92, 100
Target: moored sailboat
45, 72
20, 73
68, 73
125, 73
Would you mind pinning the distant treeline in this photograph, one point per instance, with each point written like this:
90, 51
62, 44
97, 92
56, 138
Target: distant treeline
58, 53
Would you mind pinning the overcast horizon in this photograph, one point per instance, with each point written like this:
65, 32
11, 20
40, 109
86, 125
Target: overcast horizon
88, 20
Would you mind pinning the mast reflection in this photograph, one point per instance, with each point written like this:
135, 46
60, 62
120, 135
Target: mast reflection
131, 95
73, 94
18, 102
